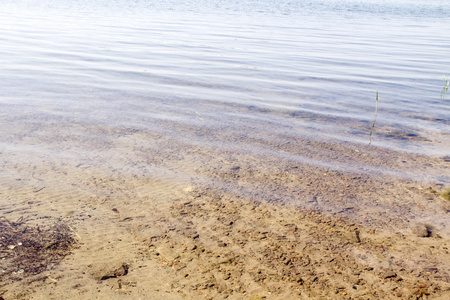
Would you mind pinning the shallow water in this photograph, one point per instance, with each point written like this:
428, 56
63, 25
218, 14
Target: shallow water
236, 75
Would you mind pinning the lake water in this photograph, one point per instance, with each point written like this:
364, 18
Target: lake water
258, 71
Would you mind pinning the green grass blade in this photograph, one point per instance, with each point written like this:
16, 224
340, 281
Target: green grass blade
373, 125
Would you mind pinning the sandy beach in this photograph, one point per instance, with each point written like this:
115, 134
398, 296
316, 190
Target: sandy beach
156, 218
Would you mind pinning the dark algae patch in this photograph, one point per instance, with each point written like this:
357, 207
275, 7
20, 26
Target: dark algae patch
27, 250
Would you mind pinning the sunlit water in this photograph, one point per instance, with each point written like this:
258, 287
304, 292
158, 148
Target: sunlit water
253, 68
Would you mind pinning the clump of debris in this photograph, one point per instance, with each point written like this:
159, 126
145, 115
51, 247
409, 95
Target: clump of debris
27, 250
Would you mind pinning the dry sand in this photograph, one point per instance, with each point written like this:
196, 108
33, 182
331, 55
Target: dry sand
158, 218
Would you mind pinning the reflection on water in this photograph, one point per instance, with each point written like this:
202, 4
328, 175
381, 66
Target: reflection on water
271, 71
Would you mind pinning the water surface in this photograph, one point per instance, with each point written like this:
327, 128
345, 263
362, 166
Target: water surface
268, 71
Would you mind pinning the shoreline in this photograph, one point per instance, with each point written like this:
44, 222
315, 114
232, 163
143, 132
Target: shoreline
157, 217
185, 240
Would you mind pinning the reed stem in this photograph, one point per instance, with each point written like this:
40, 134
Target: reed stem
373, 125
445, 88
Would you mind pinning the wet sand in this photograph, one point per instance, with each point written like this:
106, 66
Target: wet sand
157, 216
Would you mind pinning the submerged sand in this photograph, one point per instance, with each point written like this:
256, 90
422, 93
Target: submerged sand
161, 218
